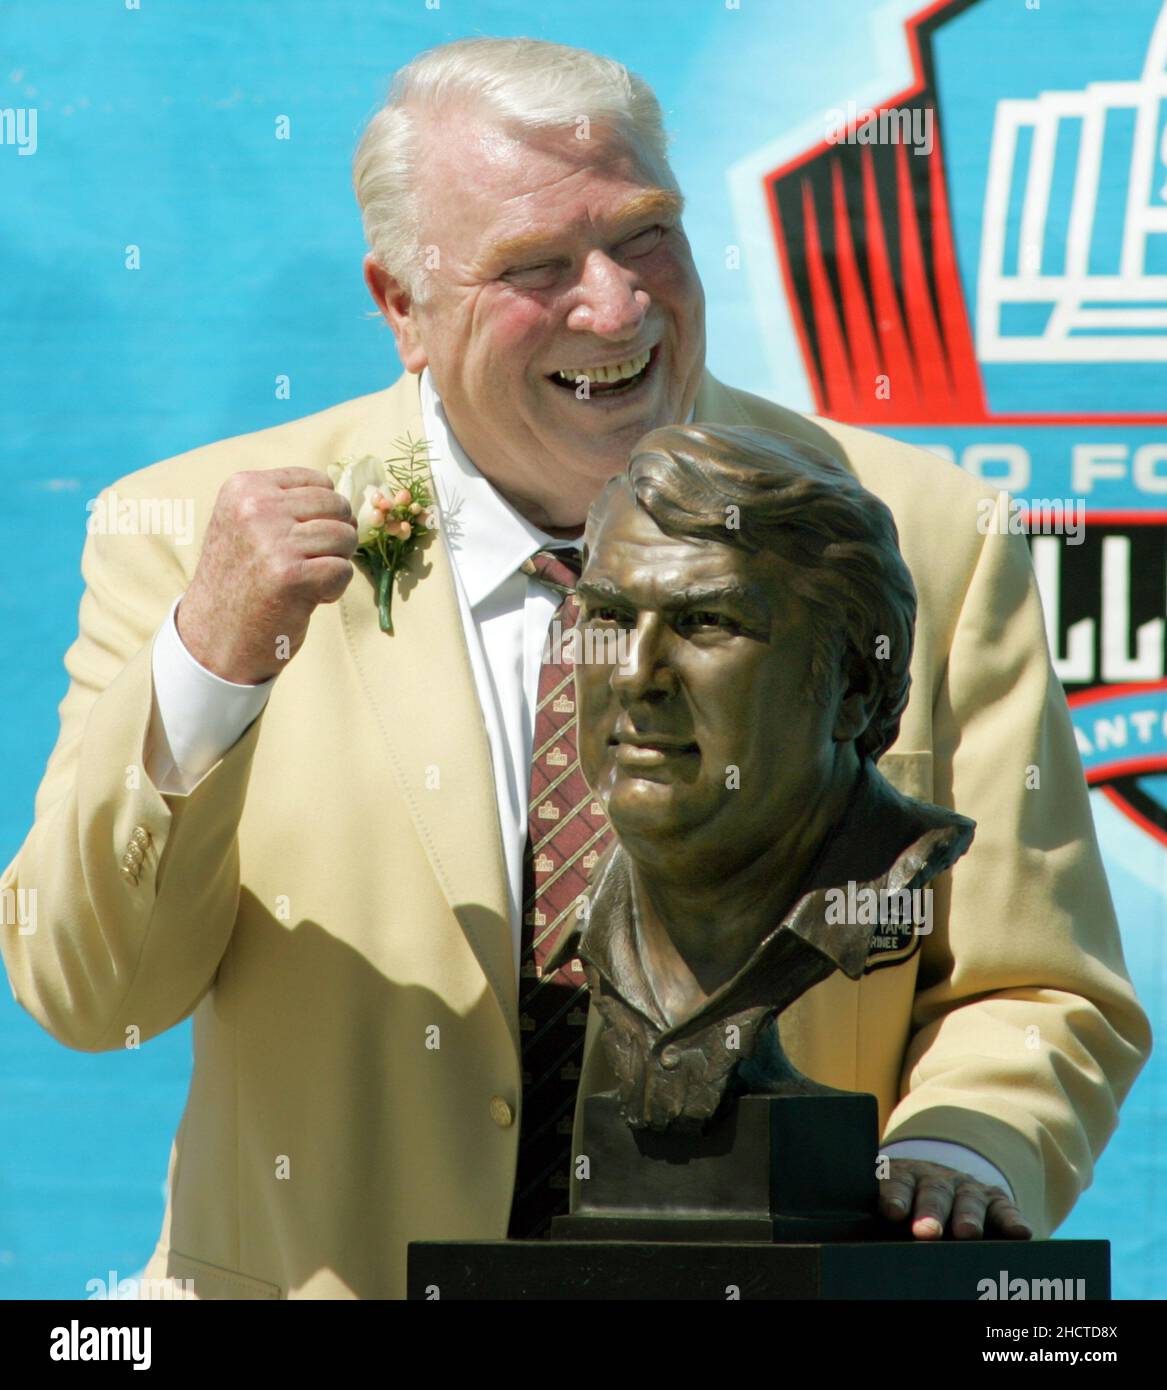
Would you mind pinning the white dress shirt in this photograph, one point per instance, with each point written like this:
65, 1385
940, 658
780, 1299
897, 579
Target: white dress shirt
197, 716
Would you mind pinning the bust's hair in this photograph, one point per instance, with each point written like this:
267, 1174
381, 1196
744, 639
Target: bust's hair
836, 542
525, 85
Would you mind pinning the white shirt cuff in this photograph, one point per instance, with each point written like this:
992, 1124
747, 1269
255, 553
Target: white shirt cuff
952, 1156
197, 715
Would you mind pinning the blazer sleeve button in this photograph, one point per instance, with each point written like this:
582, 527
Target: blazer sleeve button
502, 1112
141, 836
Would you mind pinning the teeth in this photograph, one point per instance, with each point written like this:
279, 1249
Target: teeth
597, 376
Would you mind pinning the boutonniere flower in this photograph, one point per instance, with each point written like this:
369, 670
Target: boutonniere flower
394, 511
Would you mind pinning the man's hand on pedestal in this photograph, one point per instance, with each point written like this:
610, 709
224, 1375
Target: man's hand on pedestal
941, 1198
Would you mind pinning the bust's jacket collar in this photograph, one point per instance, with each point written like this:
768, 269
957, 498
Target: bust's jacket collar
883, 841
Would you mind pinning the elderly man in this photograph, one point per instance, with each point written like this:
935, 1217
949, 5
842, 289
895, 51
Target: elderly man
343, 851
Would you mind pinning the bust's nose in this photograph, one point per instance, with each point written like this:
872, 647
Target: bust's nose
648, 671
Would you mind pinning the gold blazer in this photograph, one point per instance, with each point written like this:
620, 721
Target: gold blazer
330, 903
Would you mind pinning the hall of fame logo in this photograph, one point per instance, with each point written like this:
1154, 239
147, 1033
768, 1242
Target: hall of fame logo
998, 303
1078, 312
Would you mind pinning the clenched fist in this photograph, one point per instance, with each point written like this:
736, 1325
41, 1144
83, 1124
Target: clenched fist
279, 542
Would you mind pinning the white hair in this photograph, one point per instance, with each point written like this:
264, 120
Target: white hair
526, 83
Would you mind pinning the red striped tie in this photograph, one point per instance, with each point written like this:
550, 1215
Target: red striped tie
567, 831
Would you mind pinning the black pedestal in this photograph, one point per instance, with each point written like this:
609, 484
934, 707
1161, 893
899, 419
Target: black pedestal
799, 1167
946, 1269
779, 1199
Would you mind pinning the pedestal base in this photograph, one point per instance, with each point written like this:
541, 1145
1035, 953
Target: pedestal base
575, 1270
793, 1168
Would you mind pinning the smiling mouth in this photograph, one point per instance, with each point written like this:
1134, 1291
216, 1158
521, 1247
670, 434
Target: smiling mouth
618, 379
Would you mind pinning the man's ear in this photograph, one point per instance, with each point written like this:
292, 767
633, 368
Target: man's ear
859, 697
393, 300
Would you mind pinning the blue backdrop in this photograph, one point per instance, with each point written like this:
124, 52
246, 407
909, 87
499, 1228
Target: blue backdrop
156, 128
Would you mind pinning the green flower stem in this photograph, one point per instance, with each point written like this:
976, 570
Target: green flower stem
390, 565
385, 597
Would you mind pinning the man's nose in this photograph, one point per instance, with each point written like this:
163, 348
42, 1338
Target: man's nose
609, 305
644, 668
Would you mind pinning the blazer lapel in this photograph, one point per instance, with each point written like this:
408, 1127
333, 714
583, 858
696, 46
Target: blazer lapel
421, 686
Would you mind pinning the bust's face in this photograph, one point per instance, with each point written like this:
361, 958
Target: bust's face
709, 737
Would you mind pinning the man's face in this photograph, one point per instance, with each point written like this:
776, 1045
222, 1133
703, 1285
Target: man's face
554, 255
719, 680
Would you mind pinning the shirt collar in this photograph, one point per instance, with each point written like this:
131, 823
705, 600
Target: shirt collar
488, 538
883, 840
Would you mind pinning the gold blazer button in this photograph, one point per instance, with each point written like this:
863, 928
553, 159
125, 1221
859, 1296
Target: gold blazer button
502, 1112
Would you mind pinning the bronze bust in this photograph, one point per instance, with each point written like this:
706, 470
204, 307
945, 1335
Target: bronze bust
755, 622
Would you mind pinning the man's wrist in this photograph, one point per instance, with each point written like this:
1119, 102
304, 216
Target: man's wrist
958, 1156
199, 715
230, 670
